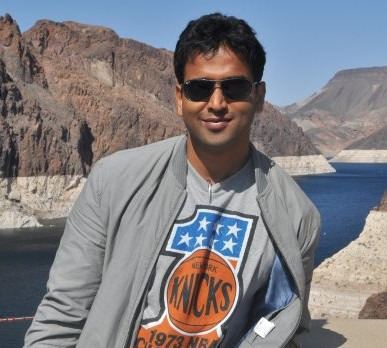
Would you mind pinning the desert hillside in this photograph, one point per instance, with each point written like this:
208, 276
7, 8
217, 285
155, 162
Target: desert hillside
350, 108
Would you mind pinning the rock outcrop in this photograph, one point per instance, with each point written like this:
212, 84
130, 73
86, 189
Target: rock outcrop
342, 284
383, 204
71, 94
28, 199
304, 165
276, 135
375, 307
352, 106
371, 149
375, 141
361, 156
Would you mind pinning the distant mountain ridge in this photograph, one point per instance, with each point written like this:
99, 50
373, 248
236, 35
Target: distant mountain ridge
73, 93
352, 106
375, 141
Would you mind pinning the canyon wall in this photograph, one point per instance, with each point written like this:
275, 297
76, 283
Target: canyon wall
342, 283
349, 111
25, 200
304, 165
361, 156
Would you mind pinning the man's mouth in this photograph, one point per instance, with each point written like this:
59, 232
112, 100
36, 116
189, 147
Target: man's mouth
216, 123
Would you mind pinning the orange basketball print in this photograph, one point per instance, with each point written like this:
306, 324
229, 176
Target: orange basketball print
201, 292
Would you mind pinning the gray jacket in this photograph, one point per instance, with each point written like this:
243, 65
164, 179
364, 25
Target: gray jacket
114, 233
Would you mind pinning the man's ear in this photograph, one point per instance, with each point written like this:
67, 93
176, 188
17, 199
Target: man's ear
179, 100
260, 91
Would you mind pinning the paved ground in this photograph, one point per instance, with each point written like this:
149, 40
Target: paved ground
349, 333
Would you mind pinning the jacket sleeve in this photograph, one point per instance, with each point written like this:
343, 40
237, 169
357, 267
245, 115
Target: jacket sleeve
311, 234
75, 274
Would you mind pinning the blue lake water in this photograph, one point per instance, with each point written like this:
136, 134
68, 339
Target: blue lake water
343, 198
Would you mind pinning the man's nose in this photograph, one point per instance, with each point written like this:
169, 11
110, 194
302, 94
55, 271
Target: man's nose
217, 101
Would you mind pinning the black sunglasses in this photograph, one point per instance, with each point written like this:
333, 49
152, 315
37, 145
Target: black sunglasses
234, 88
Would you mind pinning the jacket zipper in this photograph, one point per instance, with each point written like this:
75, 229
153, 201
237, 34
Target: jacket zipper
209, 192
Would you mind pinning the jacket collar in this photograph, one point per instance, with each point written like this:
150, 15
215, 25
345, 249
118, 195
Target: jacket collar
179, 165
262, 164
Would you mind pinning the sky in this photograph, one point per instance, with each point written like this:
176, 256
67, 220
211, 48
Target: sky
306, 41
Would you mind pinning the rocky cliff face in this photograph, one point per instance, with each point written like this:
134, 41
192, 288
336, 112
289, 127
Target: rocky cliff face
26, 200
304, 165
375, 141
72, 93
371, 149
383, 203
361, 156
277, 135
352, 106
342, 283
375, 307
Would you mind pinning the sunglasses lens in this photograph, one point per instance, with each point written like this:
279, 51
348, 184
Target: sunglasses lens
201, 89
236, 89
198, 90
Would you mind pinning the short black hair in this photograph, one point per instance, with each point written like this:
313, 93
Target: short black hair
206, 34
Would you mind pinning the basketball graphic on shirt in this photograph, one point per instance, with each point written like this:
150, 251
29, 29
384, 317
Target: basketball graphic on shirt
201, 292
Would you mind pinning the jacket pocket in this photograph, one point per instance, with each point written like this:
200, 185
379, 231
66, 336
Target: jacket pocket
286, 322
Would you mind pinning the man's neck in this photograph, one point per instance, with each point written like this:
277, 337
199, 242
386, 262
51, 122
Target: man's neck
216, 166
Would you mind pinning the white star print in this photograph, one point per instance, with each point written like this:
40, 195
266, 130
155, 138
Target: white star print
233, 230
185, 238
217, 228
203, 224
229, 245
199, 240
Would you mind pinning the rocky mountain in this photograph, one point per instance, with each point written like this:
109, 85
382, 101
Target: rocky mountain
375, 141
277, 135
371, 149
71, 93
351, 107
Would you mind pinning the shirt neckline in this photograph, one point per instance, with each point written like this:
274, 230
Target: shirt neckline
243, 178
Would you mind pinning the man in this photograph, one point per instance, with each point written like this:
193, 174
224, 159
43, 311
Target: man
197, 241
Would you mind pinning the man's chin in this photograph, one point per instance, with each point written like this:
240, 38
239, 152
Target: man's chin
215, 146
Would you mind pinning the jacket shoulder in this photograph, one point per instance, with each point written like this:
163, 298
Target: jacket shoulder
124, 172
140, 155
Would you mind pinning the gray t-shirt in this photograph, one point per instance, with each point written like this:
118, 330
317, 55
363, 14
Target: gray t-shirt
216, 259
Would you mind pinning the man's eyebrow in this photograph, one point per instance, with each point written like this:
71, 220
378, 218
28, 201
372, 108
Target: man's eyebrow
225, 78
237, 76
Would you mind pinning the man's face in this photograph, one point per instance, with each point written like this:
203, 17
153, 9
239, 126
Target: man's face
219, 124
